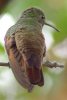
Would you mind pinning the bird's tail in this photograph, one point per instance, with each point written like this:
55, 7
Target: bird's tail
35, 76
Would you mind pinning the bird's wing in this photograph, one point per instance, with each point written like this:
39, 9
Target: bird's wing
16, 62
33, 69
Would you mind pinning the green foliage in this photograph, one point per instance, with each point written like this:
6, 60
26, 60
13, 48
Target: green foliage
2, 96
1, 49
62, 24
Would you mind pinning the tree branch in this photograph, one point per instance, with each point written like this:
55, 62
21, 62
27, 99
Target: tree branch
45, 63
52, 64
4, 64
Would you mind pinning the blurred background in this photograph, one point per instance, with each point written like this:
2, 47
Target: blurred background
55, 87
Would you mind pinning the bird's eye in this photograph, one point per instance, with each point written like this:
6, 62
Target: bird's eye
43, 17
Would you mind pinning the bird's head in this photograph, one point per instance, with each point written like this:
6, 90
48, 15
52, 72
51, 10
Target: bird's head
37, 15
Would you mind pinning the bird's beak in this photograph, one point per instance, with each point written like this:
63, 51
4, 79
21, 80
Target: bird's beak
52, 26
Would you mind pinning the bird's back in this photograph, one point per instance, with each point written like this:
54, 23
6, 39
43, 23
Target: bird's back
30, 43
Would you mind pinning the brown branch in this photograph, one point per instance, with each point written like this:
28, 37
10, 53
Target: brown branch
45, 63
52, 64
4, 64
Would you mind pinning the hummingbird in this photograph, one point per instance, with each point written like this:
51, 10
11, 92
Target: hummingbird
26, 48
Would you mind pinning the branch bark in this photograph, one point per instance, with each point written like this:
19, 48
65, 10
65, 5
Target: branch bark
45, 64
52, 64
4, 64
